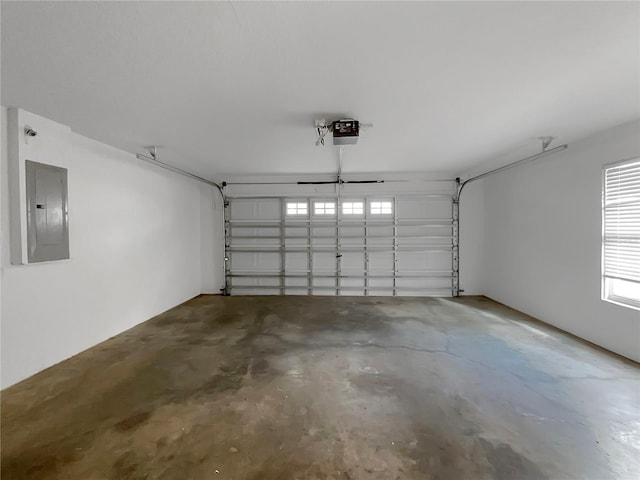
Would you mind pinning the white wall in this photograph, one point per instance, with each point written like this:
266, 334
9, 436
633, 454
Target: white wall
543, 240
137, 241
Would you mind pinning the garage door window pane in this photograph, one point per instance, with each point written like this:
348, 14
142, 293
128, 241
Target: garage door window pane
324, 208
296, 208
353, 208
381, 208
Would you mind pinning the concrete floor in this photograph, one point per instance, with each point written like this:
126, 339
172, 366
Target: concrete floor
329, 388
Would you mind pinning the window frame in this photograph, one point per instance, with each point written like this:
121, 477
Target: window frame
352, 201
324, 212
381, 201
608, 283
297, 213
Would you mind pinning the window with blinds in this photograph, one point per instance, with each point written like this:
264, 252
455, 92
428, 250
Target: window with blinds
621, 234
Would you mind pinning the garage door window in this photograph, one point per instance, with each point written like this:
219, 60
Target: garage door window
621, 234
352, 208
296, 208
324, 208
381, 208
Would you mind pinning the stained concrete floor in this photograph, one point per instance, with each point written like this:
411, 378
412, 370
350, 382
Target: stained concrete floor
329, 388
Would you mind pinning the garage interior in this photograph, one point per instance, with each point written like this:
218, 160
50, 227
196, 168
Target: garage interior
320, 240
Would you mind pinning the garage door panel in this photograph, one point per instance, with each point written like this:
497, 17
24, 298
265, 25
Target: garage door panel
352, 262
424, 208
319, 232
423, 283
297, 262
301, 282
325, 282
256, 209
247, 232
244, 262
425, 240
256, 286
352, 235
324, 291
378, 230
257, 291
297, 243
324, 246
381, 261
302, 291
380, 236
382, 292
267, 242
412, 261
251, 261
259, 282
324, 262
291, 232
380, 283
424, 230
352, 286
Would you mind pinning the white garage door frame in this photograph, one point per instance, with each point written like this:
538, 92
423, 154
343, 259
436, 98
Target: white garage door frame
413, 251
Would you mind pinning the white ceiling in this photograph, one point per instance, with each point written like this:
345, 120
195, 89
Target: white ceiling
234, 87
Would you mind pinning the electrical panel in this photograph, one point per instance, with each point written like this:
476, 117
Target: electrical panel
47, 212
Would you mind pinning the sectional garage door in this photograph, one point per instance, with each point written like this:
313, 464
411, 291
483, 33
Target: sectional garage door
354, 245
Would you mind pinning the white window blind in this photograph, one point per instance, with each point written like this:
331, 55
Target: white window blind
621, 242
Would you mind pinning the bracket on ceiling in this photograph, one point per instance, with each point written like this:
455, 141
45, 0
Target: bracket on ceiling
546, 141
152, 151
